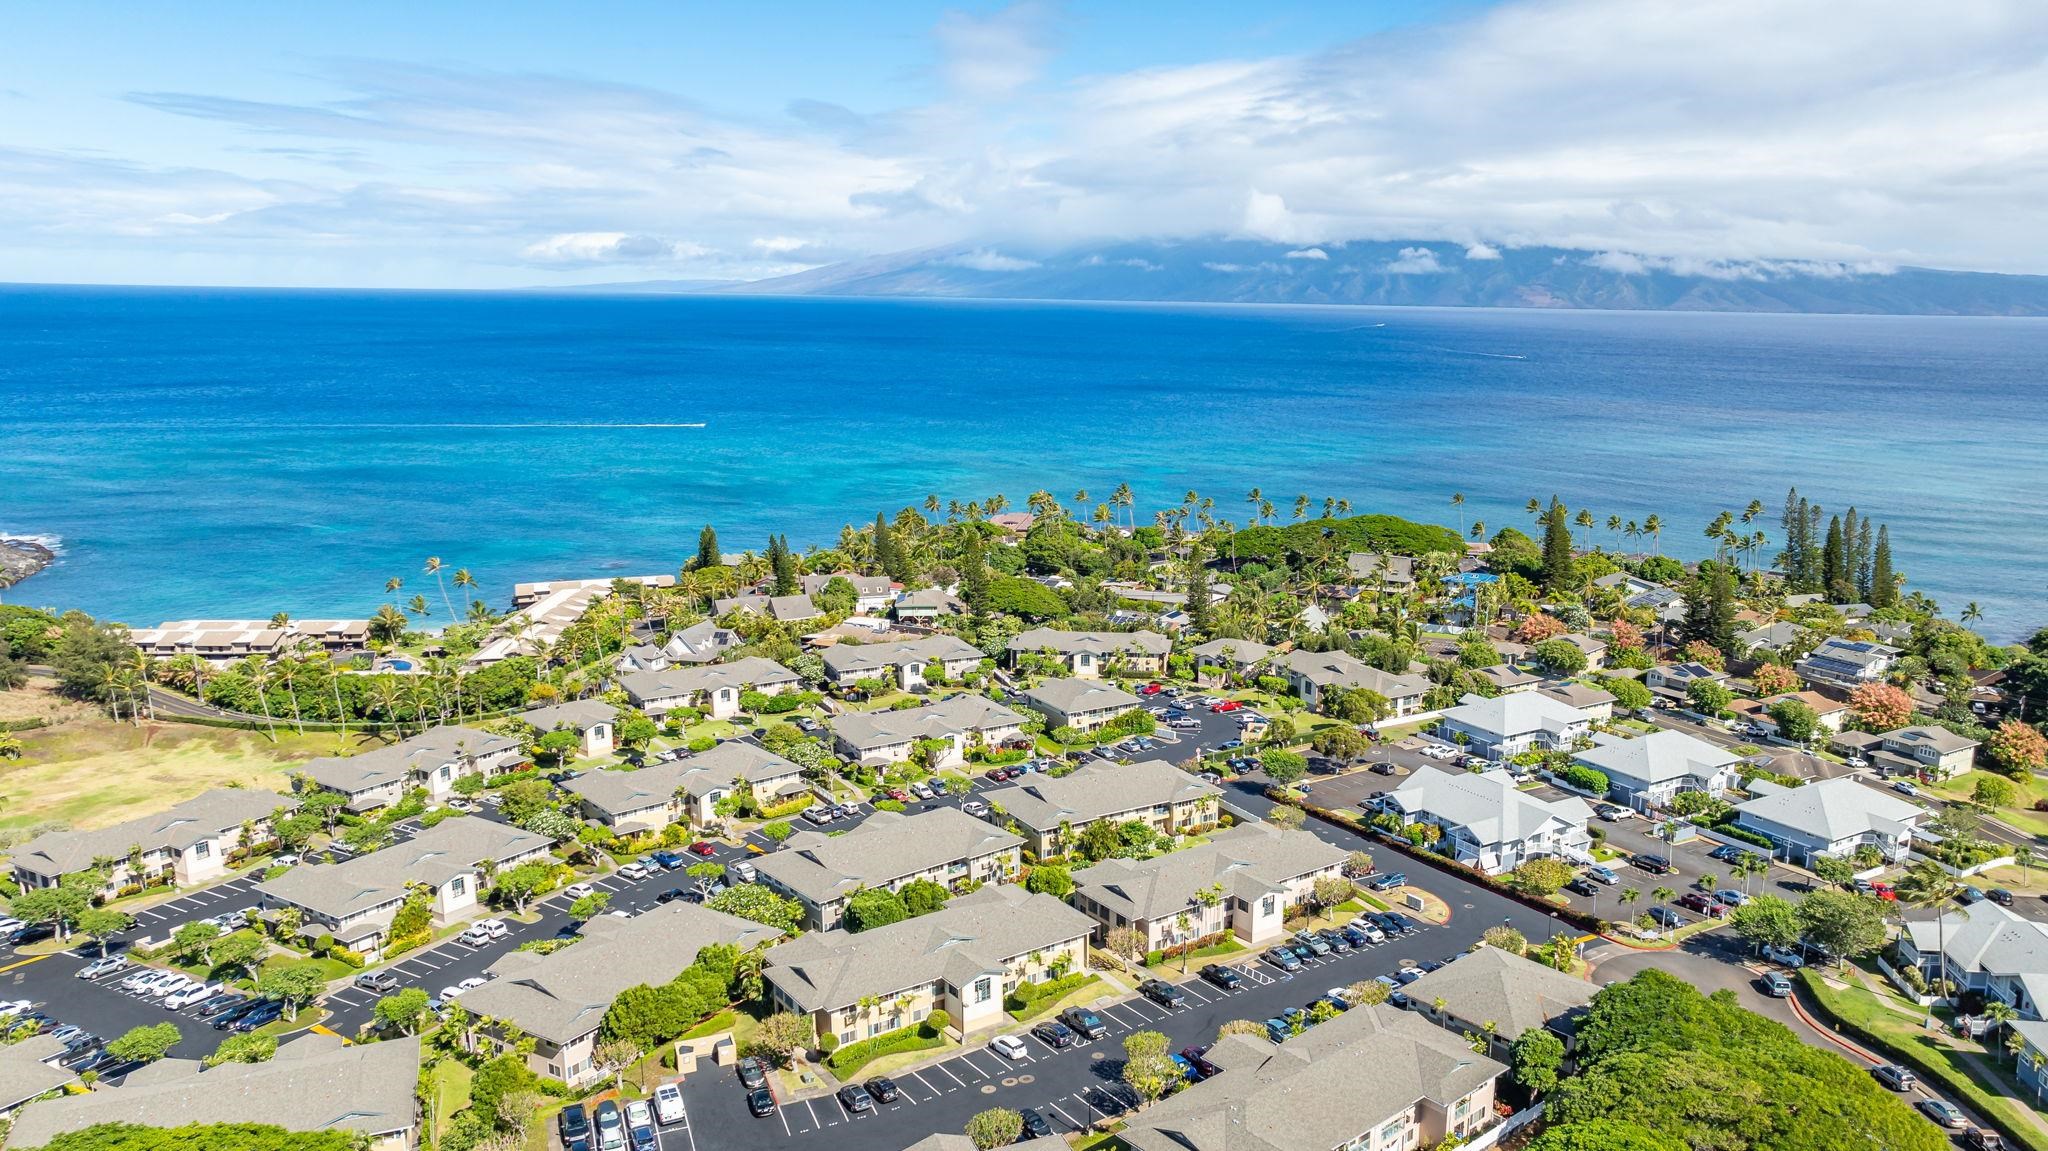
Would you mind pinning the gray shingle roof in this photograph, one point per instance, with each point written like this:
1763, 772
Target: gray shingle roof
971, 936
1243, 651
1832, 809
435, 855
709, 770
1319, 1090
1081, 695
862, 585
23, 1072
885, 848
577, 714
954, 715
563, 996
1248, 861
1095, 791
312, 1084
1341, 669
1517, 714
1941, 739
398, 762
854, 659
1097, 642
690, 680
1492, 986
201, 817
1658, 757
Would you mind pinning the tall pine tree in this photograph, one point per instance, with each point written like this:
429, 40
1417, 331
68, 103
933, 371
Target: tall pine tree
783, 564
1834, 564
707, 549
1884, 585
1557, 548
1201, 613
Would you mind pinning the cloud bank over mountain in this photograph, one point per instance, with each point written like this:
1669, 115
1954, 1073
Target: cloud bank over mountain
1726, 142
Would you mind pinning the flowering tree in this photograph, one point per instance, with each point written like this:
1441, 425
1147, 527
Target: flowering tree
1538, 628
2017, 748
1625, 636
1700, 651
1880, 706
1772, 679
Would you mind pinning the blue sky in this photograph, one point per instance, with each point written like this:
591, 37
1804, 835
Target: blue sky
510, 144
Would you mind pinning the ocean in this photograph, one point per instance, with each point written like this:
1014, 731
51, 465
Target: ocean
237, 453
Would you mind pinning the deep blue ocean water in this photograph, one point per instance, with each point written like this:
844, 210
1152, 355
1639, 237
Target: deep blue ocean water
241, 452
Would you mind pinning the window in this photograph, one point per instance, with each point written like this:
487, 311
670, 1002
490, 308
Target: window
202, 849
1266, 905
849, 1035
458, 885
981, 990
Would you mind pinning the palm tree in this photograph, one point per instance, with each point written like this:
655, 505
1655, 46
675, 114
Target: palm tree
434, 569
418, 606
1927, 884
2000, 1013
388, 624
1663, 895
393, 584
464, 582
1255, 497
1457, 505
1655, 527
1628, 898
1614, 525
1534, 507
1972, 613
2025, 858
1343, 507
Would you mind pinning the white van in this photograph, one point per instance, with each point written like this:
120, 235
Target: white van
741, 871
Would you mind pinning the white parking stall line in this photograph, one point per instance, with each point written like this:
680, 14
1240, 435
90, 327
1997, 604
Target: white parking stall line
782, 1113
814, 1115
906, 1096
1069, 1118
1085, 1102
973, 1066
927, 1085
953, 1077
1188, 989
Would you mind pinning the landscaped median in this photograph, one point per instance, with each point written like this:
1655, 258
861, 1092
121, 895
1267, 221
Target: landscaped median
847, 1062
1032, 1000
1960, 1072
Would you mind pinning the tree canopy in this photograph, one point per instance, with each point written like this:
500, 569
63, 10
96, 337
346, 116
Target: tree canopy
1663, 1066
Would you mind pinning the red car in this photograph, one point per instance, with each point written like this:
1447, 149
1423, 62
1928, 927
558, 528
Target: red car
1228, 705
1884, 891
702, 848
1151, 689
1702, 903
996, 774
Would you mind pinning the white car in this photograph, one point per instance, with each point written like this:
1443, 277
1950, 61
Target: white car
449, 994
190, 995
1007, 1046
974, 807
1782, 956
578, 890
147, 984
638, 1115
174, 984
472, 983
668, 1103
15, 1006
10, 923
495, 928
633, 871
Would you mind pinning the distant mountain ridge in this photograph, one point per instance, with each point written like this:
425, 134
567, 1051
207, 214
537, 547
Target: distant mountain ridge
1417, 273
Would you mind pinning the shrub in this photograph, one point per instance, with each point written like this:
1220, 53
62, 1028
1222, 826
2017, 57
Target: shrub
1584, 778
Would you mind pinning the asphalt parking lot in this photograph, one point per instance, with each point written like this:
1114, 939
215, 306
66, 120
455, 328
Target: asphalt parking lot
1071, 1087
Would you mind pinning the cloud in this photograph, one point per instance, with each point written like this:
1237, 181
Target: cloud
1308, 254
985, 260
1632, 264
1413, 262
589, 248
1742, 139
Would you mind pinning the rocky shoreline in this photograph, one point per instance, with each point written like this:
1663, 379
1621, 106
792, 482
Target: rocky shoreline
20, 559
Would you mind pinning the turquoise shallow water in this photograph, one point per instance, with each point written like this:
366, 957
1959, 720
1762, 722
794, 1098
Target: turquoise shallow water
229, 452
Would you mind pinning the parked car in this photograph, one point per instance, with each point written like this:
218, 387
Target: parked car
1777, 984
1783, 956
1703, 903
668, 860
1602, 875
640, 1126
2000, 896
882, 1088
753, 1073
1731, 897
1387, 881
1008, 1047
1035, 1126
164, 987
1894, 1076
1163, 993
1084, 1021
1278, 1030
974, 807
611, 1127
1580, 885
1225, 977
1653, 863
856, 1099
635, 871
266, 1011
225, 1001
105, 965
1613, 813
187, 997
381, 982
1054, 1034
668, 1103
1336, 939
704, 848
573, 1123
1666, 918
760, 1103
1195, 1055
1312, 941
1983, 1139
1283, 958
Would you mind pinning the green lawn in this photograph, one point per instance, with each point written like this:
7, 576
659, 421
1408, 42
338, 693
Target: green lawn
723, 1021
1965, 1073
1088, 991
2021, 814
1195, 957
848, 1061
450, 1078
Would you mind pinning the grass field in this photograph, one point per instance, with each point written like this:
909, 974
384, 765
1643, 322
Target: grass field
88, 771
2020, 815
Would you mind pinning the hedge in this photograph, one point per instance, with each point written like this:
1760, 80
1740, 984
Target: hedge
1745, 835
1584, 778
796, 806
850, 1058
1034, 998
30, 724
